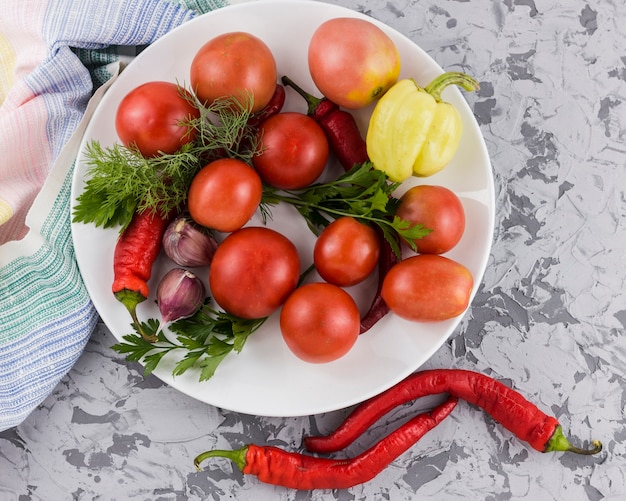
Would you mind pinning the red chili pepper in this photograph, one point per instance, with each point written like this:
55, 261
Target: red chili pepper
298, 471
339, 126
505, 405
135, 252
274, 106
378, 309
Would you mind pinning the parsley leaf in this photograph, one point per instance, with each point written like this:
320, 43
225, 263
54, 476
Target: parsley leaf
207, 338
363, 193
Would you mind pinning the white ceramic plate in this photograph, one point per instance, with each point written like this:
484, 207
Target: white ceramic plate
265, 378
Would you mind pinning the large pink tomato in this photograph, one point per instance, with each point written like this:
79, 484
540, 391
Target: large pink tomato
352, 61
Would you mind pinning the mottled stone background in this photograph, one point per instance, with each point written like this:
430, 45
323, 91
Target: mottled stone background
549, 318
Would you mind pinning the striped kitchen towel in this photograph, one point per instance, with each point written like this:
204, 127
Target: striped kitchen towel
56, 59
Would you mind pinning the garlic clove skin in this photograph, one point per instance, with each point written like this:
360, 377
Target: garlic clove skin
188, 244
179, 294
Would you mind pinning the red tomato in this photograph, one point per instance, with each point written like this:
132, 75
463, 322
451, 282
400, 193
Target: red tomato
150, 117
438, 209
346, 252
294, 151
427, 288
320, 322
253, 272
352, 61
224, 194
234, 64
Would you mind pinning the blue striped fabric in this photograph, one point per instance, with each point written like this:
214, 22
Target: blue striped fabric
46, 316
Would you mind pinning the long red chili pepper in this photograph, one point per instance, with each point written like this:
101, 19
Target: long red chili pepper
339, 126
297, 471
135, 252
505, 405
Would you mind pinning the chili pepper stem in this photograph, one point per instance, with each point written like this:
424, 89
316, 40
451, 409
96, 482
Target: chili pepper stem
311, 101
131, 299
558, 442
435, 88
237, 456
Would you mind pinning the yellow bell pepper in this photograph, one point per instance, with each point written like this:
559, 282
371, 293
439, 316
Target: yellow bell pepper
412, 131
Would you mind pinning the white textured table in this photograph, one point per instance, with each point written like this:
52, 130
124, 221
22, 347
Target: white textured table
549, 318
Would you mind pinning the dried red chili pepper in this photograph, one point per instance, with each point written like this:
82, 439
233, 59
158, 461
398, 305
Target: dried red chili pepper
298, 471
274, 106
339, 126
135, 252
378, 309
505, 405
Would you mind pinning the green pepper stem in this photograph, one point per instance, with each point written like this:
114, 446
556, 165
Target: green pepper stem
435, 88
131, 299
311, 101
558, 442
237, 456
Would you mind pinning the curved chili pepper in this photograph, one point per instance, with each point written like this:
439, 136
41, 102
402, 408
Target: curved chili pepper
298, 471
339, 126
274, 106
378, 309
505, 405
135, 252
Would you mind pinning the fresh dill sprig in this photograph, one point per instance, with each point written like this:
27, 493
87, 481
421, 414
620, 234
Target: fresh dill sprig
120, 181
222, 128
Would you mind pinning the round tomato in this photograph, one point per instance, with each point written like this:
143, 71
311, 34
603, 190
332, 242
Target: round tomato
346, 252
224, 194
253, 271
151, 116
320, 322
427, 288
234, 64
293, 151
352, 61
438, 209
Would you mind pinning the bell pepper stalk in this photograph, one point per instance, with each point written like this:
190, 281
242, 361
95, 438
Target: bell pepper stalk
412, 131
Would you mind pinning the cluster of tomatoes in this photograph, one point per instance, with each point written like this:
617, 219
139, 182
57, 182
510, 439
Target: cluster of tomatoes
256, 270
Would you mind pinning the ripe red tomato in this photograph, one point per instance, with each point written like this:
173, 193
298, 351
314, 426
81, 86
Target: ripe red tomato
234, 64
224, 194
253, 271
427, 288
320, 322
352, 61
150, 117
346, 252
294, 151
438, 209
